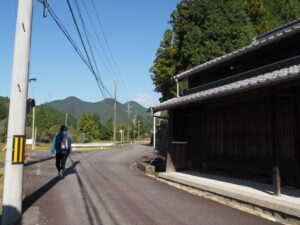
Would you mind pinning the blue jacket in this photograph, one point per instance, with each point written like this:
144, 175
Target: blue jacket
54, 148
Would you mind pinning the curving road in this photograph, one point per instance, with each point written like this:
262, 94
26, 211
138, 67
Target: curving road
104, 187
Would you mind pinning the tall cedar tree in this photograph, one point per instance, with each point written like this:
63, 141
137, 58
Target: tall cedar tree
164, 67
203, 30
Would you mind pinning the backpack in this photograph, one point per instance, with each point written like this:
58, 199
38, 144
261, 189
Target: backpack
62, 142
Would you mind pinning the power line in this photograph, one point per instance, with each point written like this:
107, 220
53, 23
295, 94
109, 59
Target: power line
108, 47
88, 42
86, 61
111, 69
101, 27
83, 44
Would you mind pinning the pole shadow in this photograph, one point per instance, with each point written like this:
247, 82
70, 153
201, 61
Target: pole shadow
37, 161
13, 215
31, 199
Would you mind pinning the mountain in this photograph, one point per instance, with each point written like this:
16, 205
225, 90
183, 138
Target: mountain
104, 109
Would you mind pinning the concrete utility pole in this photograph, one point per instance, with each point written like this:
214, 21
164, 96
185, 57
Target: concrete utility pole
138, 124
157, 114
35, 132
33, 116
133, 130
177, 87
13, 178
32, 133
154, 132
128, 111
66, 120
115, 112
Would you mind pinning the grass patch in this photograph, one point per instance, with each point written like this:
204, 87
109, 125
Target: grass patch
40, 147
2, 156
2, 145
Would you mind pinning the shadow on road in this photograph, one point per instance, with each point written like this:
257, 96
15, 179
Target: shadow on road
37, 161
88, 203
45, 159
9, 210
31, 199
71, 170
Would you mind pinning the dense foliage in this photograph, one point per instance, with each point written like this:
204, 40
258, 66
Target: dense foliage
205, 29
4, 104
89, 128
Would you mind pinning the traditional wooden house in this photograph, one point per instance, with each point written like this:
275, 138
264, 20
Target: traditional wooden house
241, 112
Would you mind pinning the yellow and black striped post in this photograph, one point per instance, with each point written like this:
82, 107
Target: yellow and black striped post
18, 154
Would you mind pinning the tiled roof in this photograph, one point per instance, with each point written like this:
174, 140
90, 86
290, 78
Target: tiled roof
264, 79
258, 42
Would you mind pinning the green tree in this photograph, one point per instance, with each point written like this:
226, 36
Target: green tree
90, 125
3, 130
107, 130
256, 11
53, 130
279, 12
164, 67
209, 29
202, 30
145, 126
4, 102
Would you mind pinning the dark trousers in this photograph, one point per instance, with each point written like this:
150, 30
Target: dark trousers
61, 161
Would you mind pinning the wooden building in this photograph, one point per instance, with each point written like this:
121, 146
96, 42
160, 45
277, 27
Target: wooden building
241, 112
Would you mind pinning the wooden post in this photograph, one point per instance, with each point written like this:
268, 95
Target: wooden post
275, 146
169, 164
297, 139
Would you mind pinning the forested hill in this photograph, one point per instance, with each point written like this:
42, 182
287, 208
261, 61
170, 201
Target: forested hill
104, 109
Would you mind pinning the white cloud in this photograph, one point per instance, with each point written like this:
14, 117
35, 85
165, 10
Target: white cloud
144, 98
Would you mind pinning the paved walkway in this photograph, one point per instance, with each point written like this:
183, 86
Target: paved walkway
102, 187
246, 191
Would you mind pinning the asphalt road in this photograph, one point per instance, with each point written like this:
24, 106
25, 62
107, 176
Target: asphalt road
104, 187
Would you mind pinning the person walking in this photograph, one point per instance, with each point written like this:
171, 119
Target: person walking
61, 148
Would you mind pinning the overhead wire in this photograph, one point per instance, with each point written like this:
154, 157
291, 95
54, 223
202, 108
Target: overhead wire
84, 46
108, 47
86, 33
104, 36
85, 59
110, 69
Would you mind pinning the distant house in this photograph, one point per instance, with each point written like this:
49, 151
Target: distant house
241, 112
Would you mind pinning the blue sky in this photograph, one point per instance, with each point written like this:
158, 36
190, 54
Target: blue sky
133, 28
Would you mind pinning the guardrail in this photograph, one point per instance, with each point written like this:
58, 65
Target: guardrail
101, 145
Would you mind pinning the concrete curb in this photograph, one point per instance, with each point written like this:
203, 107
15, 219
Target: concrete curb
146, 168
277, 205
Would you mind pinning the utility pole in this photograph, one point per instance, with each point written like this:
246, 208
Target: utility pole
133, 130
138, 129
177, 88
13, 177
115, 112
35, 131
32, 133
128, 111
33, 117
154, 132
66, 120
